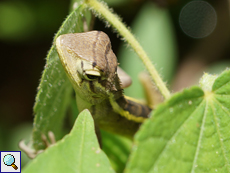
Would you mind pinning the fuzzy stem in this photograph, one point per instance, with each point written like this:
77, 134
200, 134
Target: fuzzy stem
102, 10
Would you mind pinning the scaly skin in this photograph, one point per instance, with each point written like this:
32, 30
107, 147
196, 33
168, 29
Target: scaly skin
91, 67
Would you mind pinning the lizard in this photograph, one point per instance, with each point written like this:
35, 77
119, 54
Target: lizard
92, 68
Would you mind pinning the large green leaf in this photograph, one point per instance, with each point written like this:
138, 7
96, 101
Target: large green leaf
54, 91
78, 151
154, 31
188, 133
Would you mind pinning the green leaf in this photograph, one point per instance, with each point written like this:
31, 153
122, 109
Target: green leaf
117, 148
188, 133
153, 29
54, 92
78, 151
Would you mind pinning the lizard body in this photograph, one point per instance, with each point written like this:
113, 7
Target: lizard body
91, 66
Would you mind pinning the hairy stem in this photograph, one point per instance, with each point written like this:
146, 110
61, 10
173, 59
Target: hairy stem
102, 10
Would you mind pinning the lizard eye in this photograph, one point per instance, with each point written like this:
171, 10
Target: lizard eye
91, 77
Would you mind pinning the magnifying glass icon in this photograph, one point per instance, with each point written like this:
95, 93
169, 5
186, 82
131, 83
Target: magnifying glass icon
9, 160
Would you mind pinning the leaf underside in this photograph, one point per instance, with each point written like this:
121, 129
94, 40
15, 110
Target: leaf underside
54, 91
188, 133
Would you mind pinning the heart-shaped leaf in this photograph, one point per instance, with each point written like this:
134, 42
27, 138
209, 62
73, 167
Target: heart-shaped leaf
188, 133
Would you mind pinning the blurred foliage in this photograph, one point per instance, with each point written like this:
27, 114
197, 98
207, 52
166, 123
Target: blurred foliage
22, 20
153, 28
17, 20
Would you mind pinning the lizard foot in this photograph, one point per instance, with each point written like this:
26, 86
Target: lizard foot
32, 153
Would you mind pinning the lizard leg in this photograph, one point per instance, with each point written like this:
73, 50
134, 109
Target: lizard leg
152, 95
32, 153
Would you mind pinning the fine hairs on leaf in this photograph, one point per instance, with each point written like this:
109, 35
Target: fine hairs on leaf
188, 133
54, 95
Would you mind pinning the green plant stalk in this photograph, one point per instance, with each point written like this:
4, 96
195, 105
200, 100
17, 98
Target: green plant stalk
102, 10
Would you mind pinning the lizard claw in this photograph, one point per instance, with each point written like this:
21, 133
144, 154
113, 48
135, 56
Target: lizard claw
32, 153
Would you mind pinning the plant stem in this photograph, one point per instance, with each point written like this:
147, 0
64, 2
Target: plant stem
102, 10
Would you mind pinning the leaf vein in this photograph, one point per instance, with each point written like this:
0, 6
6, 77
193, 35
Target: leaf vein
175, 134
219, 134
199, 140
82, 145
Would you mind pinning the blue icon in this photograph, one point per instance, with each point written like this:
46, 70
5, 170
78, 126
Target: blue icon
9, 160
